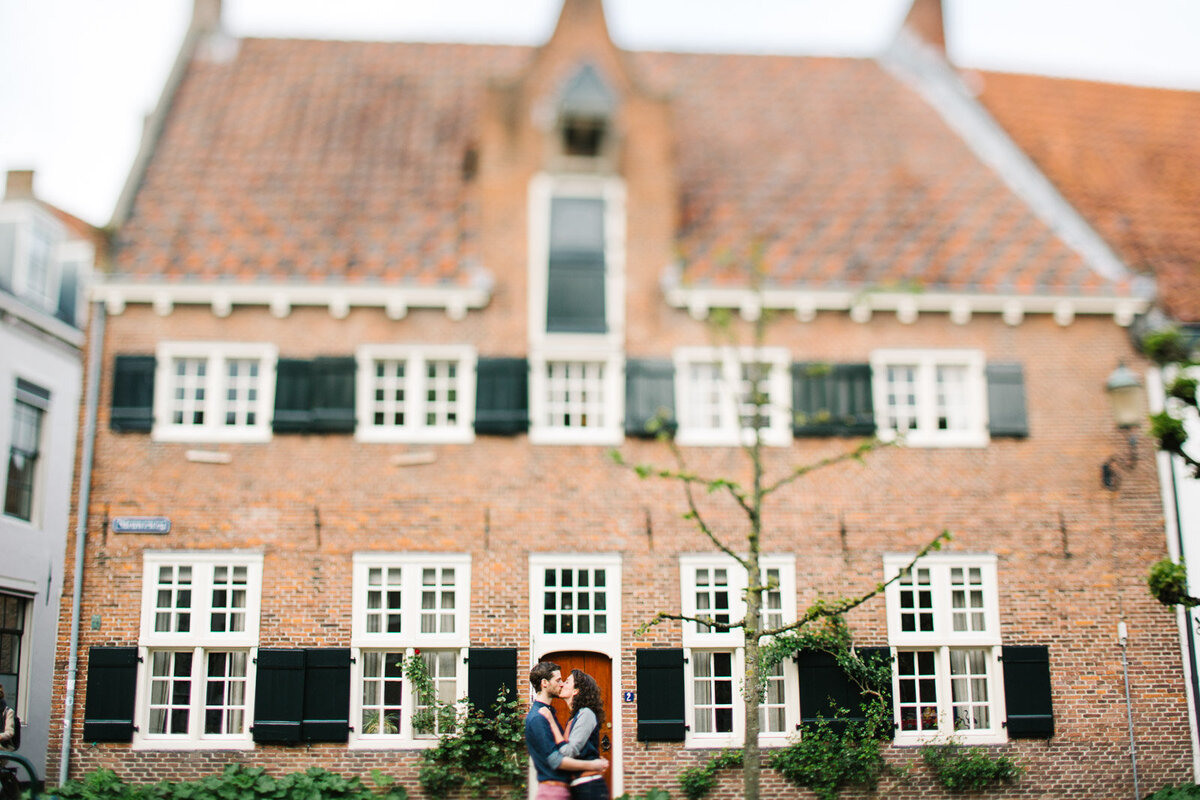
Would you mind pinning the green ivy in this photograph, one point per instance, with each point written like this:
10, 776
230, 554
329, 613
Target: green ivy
697, 782
1169, 584
1184, 791
477, 751
967, 769
653, 794
825, 759
236, 782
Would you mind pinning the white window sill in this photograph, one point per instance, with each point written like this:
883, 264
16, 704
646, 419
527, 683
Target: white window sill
712, 741
390, 743
204, 435
401, 435
185, 744
939, 439
959, 737
730, 438
586, 436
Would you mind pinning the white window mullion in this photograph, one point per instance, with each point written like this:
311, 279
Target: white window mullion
199, 692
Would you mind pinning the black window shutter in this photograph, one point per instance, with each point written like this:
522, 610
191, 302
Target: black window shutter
825, 687
278, 695
111, 689
501, 396
333, 394
660, 688
489, 669
133, 394
293, 396
1006, 401
1027, 693
649, 392
575, 275
326, 695
832, 400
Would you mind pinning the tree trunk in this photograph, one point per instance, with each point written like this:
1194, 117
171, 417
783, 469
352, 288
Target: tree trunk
750, 752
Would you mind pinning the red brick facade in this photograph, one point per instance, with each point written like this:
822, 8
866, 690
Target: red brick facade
1071, 556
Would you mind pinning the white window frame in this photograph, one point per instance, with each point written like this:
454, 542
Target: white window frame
730, 431
733, 641
926, 361
213, 429
415, 428
409, 640
612, 401
604, 348
943, 639
608, 642
199, 643
26, 216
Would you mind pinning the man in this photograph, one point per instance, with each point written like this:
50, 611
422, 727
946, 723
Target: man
550, 765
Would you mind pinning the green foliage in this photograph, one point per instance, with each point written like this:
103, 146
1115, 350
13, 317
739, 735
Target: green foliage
697, 782
237, 782
966, 769
485, 752
653, 794
825, 760
1169, 430
1167, 346
1169, 585
1184, 791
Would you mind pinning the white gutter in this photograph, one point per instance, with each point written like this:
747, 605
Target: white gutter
95, 353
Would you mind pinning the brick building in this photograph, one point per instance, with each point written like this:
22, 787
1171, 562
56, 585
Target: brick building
376, 312
1124, 157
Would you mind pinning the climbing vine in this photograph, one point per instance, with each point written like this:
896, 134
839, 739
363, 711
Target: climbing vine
479, 751
969, 769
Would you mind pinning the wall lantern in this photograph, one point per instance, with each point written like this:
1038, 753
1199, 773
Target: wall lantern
1127, 399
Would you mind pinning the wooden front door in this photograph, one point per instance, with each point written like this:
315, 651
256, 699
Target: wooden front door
599, 667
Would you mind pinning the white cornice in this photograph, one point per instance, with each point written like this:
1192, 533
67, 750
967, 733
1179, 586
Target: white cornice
40, 321
281, 298
907, 306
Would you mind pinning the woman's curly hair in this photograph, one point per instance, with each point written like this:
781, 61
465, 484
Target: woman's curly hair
587, 695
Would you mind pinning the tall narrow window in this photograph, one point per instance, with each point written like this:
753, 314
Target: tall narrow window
200, 614
406, 606
943, 624
714, 588
575, 300
24, 453
12, 635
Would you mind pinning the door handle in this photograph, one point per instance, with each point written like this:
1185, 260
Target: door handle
605, 742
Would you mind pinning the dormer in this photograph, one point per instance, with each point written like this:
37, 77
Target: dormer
584, 133
44, 263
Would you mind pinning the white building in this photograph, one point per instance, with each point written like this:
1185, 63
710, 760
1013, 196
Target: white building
46, 257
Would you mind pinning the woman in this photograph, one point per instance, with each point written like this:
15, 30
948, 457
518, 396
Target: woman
582, 737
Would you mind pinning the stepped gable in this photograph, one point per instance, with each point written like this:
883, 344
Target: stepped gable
1128, 158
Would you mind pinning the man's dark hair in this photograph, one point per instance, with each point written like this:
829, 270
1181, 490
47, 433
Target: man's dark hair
542, 671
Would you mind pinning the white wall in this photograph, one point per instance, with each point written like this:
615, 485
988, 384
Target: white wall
32, 553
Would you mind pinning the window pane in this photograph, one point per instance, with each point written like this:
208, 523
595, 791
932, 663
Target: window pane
382, 692
574, 394
917, 683
24, 452
969, 689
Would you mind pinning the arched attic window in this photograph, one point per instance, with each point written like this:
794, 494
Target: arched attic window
585, 113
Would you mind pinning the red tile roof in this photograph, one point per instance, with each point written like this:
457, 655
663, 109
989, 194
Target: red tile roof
307, 160
1128, 158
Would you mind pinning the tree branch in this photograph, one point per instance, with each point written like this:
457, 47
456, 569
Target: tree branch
799, 472
822, 608
662, 616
